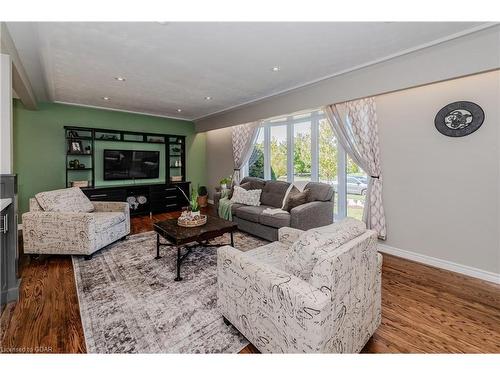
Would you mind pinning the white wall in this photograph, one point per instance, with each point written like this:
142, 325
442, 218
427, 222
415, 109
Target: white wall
441, 194
219, 157
6, 134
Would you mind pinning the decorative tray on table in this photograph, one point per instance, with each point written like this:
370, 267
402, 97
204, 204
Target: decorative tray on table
188, 220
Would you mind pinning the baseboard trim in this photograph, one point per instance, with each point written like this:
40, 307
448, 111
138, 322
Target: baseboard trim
491, 277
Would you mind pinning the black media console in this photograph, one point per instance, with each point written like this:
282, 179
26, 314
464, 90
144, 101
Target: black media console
144, 198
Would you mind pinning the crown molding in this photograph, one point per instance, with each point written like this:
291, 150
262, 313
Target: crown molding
122, 110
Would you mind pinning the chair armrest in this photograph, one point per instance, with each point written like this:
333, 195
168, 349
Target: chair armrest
123, 207
312, 215
289, 235
276, 311
111, 206
58, 218
53, 230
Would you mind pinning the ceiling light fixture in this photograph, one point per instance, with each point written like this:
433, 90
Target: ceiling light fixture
106, 98
276, 68
121, 79
179, 110
208, 98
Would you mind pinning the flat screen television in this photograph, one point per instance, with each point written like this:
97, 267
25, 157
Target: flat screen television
128, 164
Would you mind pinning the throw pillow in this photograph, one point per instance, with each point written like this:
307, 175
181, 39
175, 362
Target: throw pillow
296, 198
312, 244
246, 186
64, 200
247, 197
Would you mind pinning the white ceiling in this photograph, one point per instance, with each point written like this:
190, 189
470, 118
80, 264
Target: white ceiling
176, 65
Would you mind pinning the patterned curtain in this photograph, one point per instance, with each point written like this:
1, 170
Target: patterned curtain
243, 137
355, 125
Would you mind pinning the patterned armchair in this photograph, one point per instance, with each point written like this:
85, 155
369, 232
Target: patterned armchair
317, 291
66, 222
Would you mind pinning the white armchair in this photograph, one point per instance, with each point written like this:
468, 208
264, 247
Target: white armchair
74, 233
310, 292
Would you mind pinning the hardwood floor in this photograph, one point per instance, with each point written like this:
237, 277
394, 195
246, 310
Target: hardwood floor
424, 309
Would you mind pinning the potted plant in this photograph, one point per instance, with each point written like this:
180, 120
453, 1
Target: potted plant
202, 196
193, 204
225, 181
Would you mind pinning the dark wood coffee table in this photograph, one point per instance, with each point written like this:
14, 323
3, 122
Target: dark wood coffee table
180, 237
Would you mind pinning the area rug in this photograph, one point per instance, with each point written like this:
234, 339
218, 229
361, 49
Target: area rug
130, 303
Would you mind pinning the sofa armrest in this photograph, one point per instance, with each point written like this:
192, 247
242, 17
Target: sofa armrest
217, 196
312, 215
288, 235
276, 311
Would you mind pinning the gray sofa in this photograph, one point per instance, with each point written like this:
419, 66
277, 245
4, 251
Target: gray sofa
316, 213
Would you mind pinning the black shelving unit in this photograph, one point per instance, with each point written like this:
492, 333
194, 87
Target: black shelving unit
85, 136
176, 158
175, 150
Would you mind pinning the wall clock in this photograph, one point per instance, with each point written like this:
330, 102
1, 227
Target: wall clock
459, 119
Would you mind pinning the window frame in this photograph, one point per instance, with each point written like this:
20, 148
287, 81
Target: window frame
289, 121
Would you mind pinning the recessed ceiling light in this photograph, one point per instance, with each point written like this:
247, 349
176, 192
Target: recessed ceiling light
208, 98
106, 98
276, 68
121, 79
179, 110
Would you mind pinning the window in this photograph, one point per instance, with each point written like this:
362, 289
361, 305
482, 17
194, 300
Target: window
328, 157
303, 147
278, 152
357, 184
302, 151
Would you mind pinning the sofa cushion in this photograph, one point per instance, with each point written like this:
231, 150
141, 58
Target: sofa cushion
320, 192
312, 244
250, 213
273, 193
235, 206
247, 186
296, 198
106, 220
255, 183
248, 197
276, 221
64, 200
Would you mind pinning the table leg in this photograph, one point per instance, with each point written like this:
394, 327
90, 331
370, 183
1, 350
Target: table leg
157, 246
232, 240
179, 259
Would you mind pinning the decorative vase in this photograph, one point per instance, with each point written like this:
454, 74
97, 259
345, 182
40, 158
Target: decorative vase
223, 186
203, 200
195, 213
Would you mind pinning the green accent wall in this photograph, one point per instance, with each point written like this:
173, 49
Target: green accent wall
40, 147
